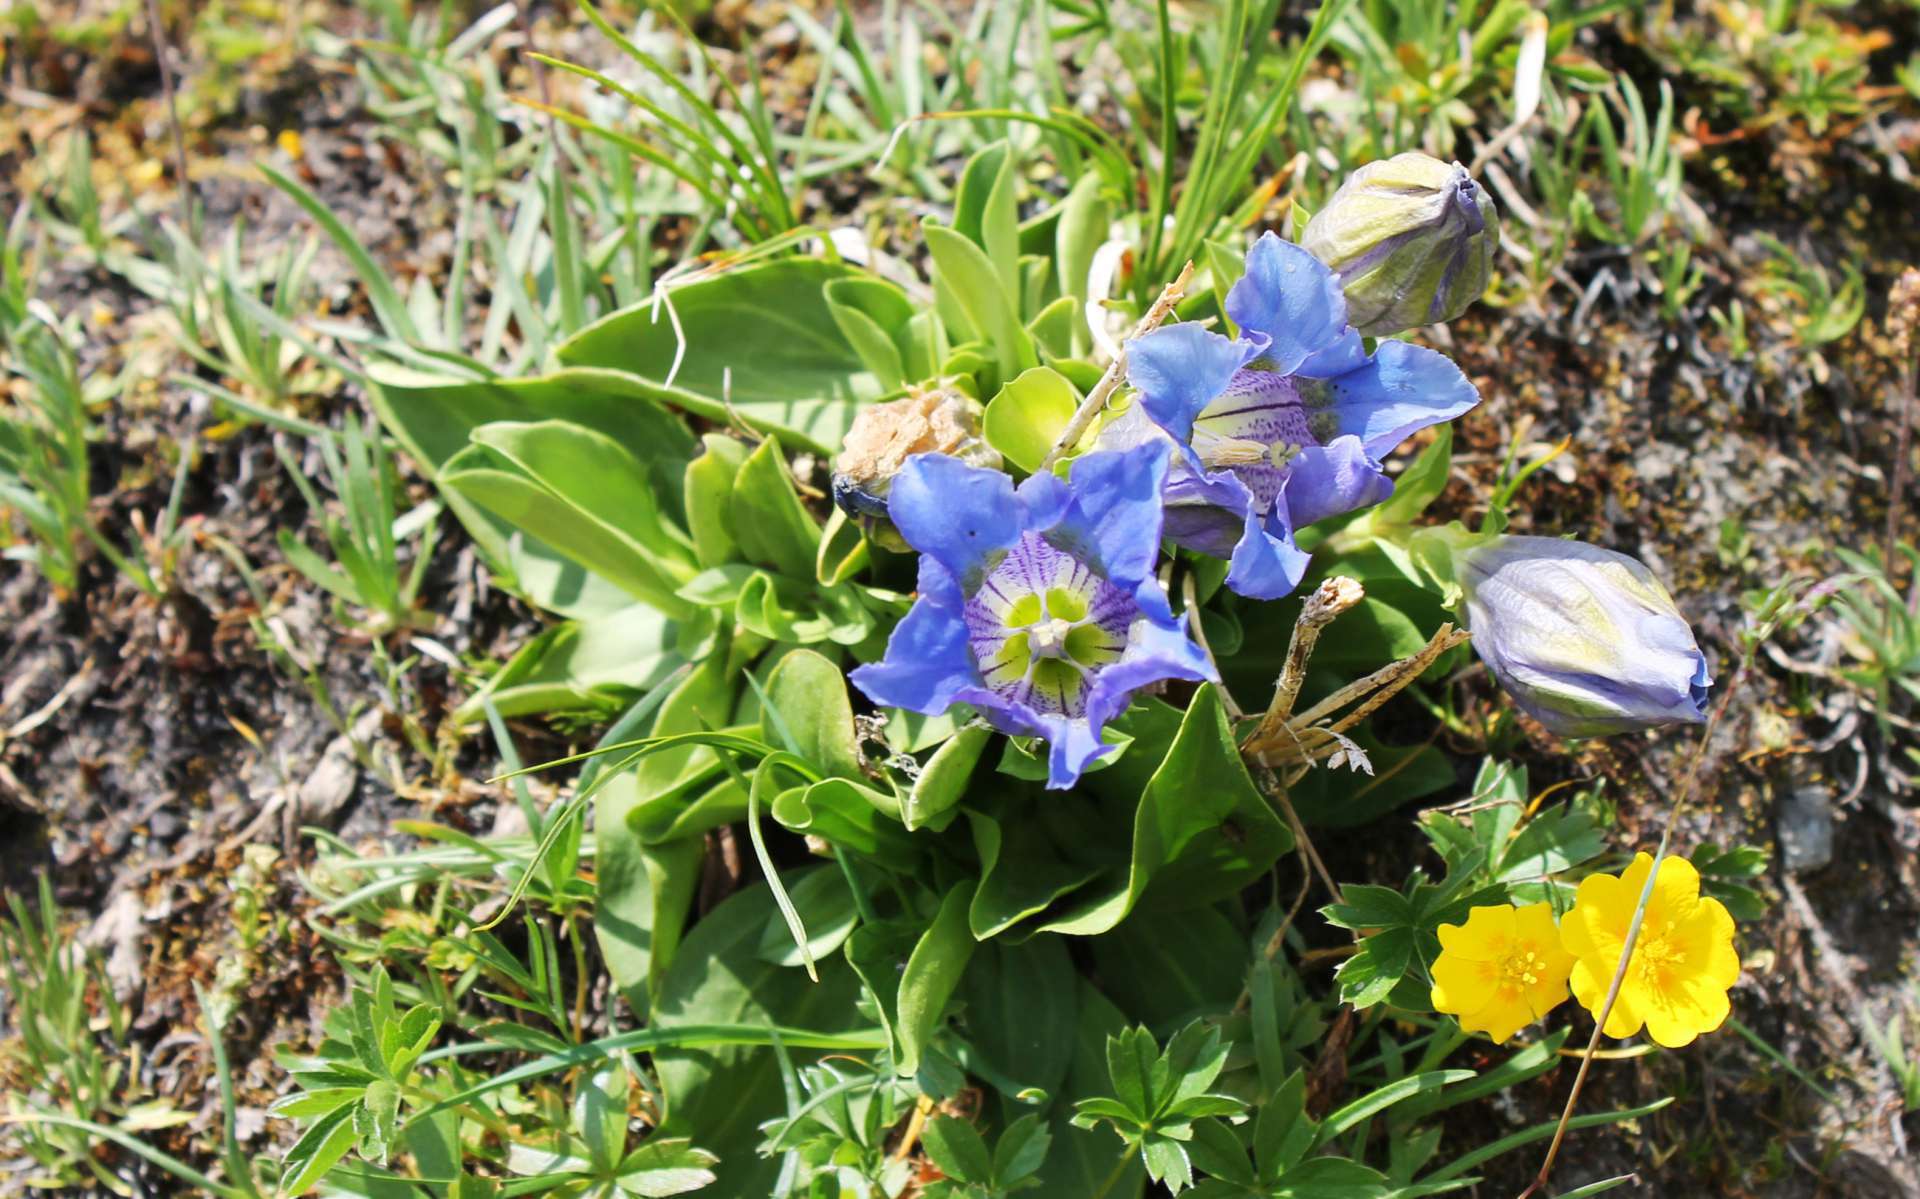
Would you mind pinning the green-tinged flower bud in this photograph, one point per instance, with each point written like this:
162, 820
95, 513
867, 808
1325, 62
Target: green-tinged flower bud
932, 421
1412, 239
1584, 639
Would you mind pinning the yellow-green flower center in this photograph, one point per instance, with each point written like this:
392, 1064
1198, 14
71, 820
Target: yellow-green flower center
1522, 969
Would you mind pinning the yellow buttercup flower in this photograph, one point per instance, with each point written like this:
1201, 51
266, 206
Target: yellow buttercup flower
1676, 984
1502, 969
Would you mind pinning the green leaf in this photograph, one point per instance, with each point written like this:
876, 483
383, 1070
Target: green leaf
808, 711
642, 891
1201, 830
1225, 265
932, 974
322, 1145
723, 1093
966, 274
872, 314
1021, 1148
827, 911
433, 417
597, 663
665, 1166
985, 212
1331, 1178
1081, 1159
561, 483
943, 779
1029, 414
709, 498
761, 343
1420, 484
1019, 1009
1161, 967
770, 524
1085, 218
955, 1146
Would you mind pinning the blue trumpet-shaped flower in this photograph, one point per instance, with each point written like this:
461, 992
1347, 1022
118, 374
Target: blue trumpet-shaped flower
1283, 425
1038, 605
1585, 640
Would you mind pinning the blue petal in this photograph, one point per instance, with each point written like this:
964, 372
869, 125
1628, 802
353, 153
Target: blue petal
1043, 500
1403, 389
927, 664
1073, 745
957, 514
1155, 651
1180, 369
1291, 298
1266, 564
1327, 480
1112, 522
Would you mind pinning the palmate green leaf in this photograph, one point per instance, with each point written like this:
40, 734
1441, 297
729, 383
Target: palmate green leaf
760, 344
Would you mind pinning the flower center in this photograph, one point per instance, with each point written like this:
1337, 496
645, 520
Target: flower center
1042, 625
1519, 969
1656, 954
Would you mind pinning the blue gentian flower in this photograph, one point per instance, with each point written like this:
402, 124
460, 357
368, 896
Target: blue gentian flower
1038, 605
1283, 425
1586, 640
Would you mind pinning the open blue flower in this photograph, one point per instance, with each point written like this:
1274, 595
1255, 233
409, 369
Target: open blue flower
1283, 425
1038, 605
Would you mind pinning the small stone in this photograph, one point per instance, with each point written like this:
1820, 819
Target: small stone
327, 790
1805, 824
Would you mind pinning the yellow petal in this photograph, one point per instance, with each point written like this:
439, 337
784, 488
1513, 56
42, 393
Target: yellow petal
1485, 937
1628, 1009
1683, 1008
1675, 892
1461, 985
1507, 1015
1706, 937
1597, 925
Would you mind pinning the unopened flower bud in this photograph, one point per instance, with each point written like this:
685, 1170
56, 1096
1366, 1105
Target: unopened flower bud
1412, 239
884, 436
1586, 641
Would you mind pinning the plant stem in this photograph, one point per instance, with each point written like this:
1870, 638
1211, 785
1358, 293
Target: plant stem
1119, 1170
187, 228
1538, 1185
1116, 370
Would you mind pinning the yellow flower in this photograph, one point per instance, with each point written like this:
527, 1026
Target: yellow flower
1502, 969
1682, 964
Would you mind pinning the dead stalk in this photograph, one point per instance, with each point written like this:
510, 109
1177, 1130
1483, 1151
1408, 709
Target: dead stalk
187, 229
1116, 370
1687, 783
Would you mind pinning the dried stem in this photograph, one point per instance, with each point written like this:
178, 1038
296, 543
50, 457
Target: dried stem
1327, 602
1687, 783
1190, 593
1903, 315
185, 184
1116, 370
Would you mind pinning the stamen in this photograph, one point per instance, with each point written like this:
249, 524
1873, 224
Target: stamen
1220, 452
1048, 638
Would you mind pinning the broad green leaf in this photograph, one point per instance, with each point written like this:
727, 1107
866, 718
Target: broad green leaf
985, 210
760, 343
1420, 484
943, 780
770, 524
826, 908
597, 663
810, 713
1029, 414
955, 1146
1162, 967
1201, 830
432, 417
1053, 327
721, 1094
1081, 1159
547, 480
1019, 1009
709, 498
1085, 219
1024, 868
932, 974
872, 314
963, 270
